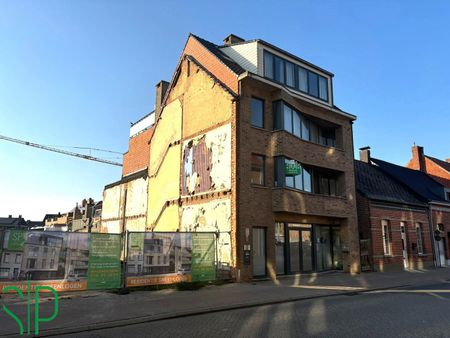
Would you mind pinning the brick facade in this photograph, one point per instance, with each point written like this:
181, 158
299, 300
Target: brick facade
370, 219
137, 156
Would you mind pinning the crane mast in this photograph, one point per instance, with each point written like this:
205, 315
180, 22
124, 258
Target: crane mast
56, 150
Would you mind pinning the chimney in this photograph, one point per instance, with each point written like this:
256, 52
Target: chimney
231, 39
161, 89
20, 216
9, 216
447, 160
364, 154
418, 158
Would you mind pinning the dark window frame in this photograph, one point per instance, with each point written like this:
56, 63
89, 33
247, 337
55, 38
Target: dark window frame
263, 111
263, 184
283, 72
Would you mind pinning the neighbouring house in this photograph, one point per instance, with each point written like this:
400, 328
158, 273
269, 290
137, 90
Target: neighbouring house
394, 226
248, 143
57, 222
436, 168
434, 194
125, 201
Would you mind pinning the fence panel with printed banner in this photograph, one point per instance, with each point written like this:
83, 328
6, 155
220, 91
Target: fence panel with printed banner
63, 260
170, 257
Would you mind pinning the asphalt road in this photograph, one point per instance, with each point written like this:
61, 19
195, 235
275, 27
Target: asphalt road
410, 312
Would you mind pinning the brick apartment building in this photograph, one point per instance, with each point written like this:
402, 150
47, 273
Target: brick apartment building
248, 143
393, 221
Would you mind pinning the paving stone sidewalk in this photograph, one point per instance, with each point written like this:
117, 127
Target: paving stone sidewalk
90, 310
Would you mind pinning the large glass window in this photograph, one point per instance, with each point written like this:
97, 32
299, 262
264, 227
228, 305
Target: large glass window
257, 172
301, 126
296, 176
268, 65
323, 88
290, 74
302, 79
294, 76
279, 69
313, 84
257, 113
328, 185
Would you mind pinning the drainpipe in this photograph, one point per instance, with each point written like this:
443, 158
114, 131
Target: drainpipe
433, 241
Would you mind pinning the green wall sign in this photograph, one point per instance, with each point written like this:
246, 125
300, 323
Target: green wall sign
292, 169
104, 262
16, 240
203, 257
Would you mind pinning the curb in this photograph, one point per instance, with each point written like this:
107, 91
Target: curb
182, 314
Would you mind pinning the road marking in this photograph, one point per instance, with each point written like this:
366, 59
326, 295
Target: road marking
410, 291
330, 287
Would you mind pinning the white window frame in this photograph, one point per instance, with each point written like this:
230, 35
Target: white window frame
385, 230
419, 236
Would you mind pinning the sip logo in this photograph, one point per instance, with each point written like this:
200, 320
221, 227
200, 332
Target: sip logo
37, 318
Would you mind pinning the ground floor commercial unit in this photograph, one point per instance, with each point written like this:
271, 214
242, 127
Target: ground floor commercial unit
299, 248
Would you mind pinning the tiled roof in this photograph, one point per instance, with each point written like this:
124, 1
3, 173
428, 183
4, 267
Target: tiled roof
419, 182
238, 70
375, 184
442, 164
12, 221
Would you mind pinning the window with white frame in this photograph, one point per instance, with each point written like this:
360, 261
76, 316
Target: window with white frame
386, 237
419, 238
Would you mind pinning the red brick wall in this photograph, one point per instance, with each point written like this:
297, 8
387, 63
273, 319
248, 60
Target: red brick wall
431, 168
443, 217
138, 155
212, 63
395, 216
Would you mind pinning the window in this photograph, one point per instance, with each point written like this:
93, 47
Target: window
294, 122
323, 88
296, 176
327, 185
420, 250
257, 113
52, 263
43, 263
31, 263
6, 258
386, 237
291, 75
149, 260
268, 65
257, 169
302, 79
18, 258
313, 84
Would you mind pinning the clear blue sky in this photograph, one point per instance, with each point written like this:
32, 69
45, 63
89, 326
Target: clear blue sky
76, 73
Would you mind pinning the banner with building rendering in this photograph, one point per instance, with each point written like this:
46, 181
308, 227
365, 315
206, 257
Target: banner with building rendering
63, 260
167, 257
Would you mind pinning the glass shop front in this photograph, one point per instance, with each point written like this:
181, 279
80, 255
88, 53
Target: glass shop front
302, 248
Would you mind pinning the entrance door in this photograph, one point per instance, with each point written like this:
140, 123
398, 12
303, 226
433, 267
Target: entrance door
300, 250
441, 248
404, 245
259, 252
294, 250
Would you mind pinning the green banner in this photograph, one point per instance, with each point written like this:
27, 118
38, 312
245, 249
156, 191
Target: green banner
203, 257
292, 169
16, 240
104, 262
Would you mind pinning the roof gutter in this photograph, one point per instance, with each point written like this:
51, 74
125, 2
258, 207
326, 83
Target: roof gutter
295, 94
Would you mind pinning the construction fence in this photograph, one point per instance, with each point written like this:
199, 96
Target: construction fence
69, 261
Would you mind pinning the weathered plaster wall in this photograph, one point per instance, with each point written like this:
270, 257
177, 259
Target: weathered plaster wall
207, 162
135, 207
213, 216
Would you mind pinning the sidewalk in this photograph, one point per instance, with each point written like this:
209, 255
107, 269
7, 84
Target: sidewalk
91, 310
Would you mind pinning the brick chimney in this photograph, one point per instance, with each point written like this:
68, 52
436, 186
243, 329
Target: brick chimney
447, 160
418, 159
231, 39
364, 154
161, 89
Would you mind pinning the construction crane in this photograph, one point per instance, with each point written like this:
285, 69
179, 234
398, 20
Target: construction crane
65, 152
